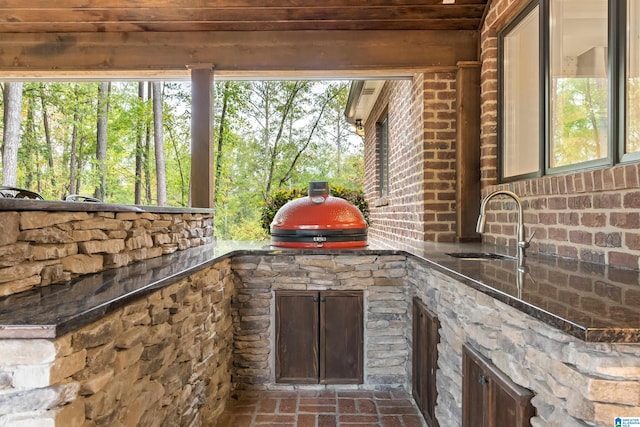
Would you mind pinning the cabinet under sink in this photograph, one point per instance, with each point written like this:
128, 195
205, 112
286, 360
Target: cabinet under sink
489, 397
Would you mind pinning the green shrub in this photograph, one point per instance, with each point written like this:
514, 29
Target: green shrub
280, 197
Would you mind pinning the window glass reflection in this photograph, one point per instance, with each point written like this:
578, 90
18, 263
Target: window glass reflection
578, 79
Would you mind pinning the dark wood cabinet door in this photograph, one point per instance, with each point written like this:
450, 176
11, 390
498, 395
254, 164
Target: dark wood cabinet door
297, 337
319, 337
505, 408
489, 397
510, 403
341, 341
425, 360
475, 392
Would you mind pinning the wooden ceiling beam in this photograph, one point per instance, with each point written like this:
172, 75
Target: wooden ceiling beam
240, 14
179, 4
236, 52
195, 26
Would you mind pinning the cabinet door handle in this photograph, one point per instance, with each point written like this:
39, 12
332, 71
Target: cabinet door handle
482, 379
323, 299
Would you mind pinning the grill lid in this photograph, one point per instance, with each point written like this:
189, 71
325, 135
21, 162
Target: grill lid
319, 220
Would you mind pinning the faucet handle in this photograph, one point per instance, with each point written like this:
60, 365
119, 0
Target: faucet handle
531, 237
526, 243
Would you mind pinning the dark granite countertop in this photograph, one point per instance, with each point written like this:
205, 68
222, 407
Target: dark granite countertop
8, 204
592, 302
54, 310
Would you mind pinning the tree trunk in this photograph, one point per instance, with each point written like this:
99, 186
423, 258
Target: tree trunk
147, 155
183, 190
301, 150
218, 162
12, 121
73, 154
80, 160
158, 138
275, 149
139, 153
101, 141
31, 158
47, 136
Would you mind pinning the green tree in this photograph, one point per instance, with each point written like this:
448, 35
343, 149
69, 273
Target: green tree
177, 121
292, 133
633, 114
580, 123
267, 135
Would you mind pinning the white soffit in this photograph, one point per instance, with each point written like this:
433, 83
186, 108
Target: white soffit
368, 96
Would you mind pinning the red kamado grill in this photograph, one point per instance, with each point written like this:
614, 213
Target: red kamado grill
319, 221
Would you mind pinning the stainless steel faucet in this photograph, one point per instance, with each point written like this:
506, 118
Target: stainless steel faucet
523, 244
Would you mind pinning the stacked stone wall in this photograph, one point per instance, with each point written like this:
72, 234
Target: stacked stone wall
39, 248
380, 277
164, 360
575, 383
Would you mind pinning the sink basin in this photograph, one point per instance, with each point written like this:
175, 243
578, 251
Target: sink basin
479, 255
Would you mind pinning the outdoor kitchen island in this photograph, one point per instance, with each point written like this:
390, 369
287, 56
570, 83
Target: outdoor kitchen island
134, 317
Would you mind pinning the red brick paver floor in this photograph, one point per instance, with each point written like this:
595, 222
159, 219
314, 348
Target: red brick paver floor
326, 408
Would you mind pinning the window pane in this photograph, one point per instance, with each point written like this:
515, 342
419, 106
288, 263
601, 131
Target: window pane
383, 150
520, 98
633, 77
579, 114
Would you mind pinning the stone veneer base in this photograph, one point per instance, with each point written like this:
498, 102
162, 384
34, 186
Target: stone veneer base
175, 356
162, 360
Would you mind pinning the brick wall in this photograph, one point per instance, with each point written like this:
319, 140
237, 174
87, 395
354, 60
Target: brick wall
397, 216
590, 215
421, 202
439, 169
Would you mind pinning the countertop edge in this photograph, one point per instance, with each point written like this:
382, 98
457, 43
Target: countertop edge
581, 332
82, 318
21, 205
99, 311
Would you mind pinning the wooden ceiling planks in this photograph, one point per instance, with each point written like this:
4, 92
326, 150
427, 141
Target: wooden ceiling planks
68, 16
308, 37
